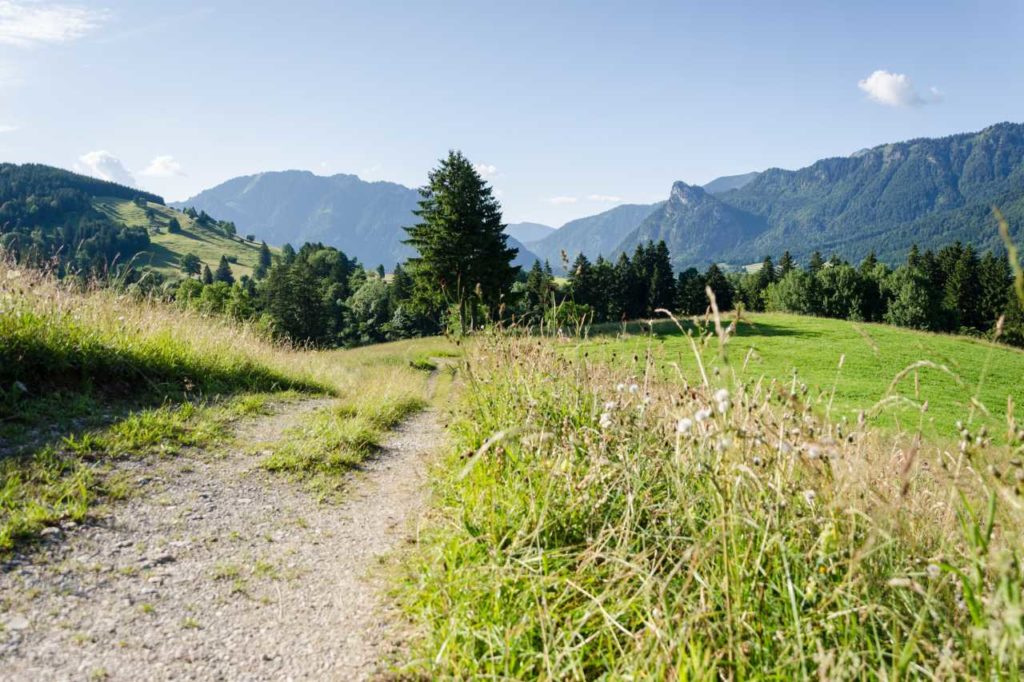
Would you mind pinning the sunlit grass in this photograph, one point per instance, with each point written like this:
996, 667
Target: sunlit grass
599, 522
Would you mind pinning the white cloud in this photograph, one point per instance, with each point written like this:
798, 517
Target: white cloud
7, 128
560, 201
163, 167
105, 166
896, 90
25, 24
608, 198
486, 170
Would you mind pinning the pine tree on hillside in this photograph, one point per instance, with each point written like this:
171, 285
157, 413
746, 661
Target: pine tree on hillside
264, 262
462, 245
816, 263
786, 264
224, 273
207, 275
720, 285
963, 291
581, 281
663, 283
690, 296
994, 277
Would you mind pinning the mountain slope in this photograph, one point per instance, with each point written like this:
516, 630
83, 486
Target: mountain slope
729, 182
928, 192
924, 191
53, 216
594, 235
363, 219
696, 226
166, 249
529, 232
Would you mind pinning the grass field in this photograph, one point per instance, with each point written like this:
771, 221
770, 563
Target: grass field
166, 250
598, 521
90, 378
960, 379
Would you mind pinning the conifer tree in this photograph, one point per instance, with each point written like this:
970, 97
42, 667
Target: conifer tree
663, 283
463, 249
207, 275
224, 273
786, 264
721, 286
816, 263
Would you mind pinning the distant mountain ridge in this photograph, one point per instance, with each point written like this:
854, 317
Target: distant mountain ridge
730, 182
363, 219
925, 191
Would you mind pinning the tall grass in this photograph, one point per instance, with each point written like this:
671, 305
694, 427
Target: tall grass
597, 524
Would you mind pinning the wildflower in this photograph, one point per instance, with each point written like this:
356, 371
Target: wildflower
702, 414
606, 420
723, 444
620, 387
634, 389
684, 425
813, 451
809, 497
721, 395
610, 405
933, 571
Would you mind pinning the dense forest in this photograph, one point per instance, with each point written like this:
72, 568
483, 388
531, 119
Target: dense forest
47, 217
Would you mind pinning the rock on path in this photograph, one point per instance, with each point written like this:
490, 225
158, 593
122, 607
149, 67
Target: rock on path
217, 570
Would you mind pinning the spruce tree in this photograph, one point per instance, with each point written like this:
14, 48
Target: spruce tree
786, 264
994, 277
721, 286
207, 275
463, 249
963, 291
581, 281
690, 296
816, 263
224, 273
663, 283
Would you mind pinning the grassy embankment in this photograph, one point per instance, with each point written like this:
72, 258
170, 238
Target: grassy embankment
166, 249
88, 379
887, 372
610, 519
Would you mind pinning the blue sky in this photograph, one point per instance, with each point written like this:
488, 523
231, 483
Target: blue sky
568, 107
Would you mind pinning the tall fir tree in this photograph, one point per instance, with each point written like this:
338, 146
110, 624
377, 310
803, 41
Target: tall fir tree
816, 263
207, 275
463, 250
663, 284
721, 286
786, 264
224, 273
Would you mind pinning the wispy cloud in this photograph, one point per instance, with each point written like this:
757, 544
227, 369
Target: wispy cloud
607, 198
105, 166
26, 24
896, 90
486, 170
163, 167
4, 128
561, 201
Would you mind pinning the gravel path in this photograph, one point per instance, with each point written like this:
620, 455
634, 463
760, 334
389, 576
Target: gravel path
217, 570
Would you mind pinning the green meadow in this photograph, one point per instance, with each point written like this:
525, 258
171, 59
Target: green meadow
900, 379
166, 249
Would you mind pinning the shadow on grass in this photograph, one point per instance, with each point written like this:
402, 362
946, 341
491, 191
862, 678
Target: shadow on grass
668, 328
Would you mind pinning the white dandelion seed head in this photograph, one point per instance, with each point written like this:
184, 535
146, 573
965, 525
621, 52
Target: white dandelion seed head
620, 387
610, 405
813, 451
684, 425
933, 571
634, 389
721, 395
606, 420
810, 496
702, 414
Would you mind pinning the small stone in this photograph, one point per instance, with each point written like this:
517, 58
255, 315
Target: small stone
16, 623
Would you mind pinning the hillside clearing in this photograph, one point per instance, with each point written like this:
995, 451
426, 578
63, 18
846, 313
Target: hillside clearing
166, 248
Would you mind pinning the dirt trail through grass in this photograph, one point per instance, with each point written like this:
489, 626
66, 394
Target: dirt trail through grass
217, 569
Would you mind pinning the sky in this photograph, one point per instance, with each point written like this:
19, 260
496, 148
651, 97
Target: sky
567, 108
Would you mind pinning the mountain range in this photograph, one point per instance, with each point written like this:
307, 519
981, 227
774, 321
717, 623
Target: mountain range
884, 199
363, 219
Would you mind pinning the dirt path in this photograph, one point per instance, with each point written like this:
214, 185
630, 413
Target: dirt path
217, 570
